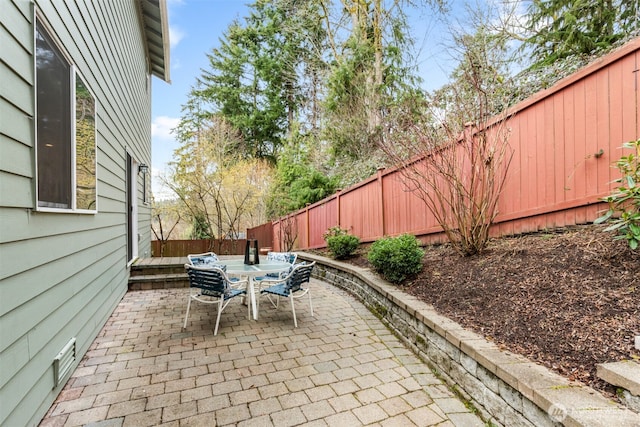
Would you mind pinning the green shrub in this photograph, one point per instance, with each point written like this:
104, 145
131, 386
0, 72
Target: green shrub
396, 258
623, 215
342, 246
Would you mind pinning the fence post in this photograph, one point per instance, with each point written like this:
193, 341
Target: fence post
306, 211
382, 218
338, 192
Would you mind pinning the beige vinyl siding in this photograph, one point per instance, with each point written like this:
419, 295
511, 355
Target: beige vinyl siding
16, 113
16, 37
16, 90
61, 274
77, 240
16, 157
18, 190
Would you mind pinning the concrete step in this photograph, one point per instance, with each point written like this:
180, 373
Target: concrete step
625, 375
158, 281
156, 270
158, 266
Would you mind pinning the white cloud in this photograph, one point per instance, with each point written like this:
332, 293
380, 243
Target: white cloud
175, 35
162, 126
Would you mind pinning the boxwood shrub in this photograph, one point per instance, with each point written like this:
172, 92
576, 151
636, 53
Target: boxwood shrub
342, 246
396, 258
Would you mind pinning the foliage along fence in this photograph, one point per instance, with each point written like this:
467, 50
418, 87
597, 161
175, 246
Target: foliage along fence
181, 248
564, 139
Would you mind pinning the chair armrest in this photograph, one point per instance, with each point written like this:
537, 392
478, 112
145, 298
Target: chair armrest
238, 284
263, 284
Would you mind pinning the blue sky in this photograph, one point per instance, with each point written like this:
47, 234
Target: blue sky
195, 28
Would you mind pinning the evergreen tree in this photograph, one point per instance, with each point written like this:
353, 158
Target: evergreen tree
200, 229
298, 182
255, 78
563, 28
367, 75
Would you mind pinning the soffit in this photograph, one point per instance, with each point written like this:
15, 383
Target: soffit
155, 24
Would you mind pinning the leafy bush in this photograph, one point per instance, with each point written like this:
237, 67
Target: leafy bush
396, 258
343, 246
623, 215
340, 243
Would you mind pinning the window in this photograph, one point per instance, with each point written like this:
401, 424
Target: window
65, 131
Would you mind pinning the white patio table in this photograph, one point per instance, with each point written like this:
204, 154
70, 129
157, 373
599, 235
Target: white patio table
236, 266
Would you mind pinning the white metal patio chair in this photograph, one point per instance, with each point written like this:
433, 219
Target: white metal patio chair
207, 259
289, 287
211, 285
289, 257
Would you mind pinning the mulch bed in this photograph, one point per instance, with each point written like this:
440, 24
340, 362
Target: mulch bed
568, 299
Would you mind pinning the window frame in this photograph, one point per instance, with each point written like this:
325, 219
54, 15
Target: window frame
145, 196
41, 24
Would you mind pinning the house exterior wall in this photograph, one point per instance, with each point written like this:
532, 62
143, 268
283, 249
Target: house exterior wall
61, 274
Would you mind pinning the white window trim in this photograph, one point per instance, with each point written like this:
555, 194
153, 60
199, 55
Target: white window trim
135, 226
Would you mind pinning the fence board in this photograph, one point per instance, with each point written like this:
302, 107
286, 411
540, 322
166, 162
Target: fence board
602, 129
583, 156
321, 218
180, 248
616, 104
263, 234
629, 91
593, 163
550, 153
360, 213
302, 221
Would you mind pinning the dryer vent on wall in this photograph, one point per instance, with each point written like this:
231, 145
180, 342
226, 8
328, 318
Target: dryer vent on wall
63, 362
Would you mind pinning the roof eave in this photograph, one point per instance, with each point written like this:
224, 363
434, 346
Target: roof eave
155, 23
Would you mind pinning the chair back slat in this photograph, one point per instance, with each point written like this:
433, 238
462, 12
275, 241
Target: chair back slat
300, 274
212, 280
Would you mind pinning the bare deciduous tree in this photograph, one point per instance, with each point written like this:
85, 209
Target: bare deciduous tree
288, 232
458, 169
224, 193
164, 213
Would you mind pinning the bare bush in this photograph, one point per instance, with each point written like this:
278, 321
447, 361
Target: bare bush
452, 152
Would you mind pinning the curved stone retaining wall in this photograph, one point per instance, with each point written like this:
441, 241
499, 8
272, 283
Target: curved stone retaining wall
507, 389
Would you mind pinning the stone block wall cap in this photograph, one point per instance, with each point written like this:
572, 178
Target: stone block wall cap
575, 399
625, 374
460, 335
622, 417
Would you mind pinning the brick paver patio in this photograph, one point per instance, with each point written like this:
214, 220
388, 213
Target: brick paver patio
342, 367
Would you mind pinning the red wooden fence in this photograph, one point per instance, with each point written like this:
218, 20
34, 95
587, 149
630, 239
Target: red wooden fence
263, 234
564, 140
179, 248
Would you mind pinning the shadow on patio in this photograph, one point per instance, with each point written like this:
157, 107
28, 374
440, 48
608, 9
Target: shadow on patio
341, 367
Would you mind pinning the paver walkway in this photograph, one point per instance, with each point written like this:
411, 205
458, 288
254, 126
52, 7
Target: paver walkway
342, 367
